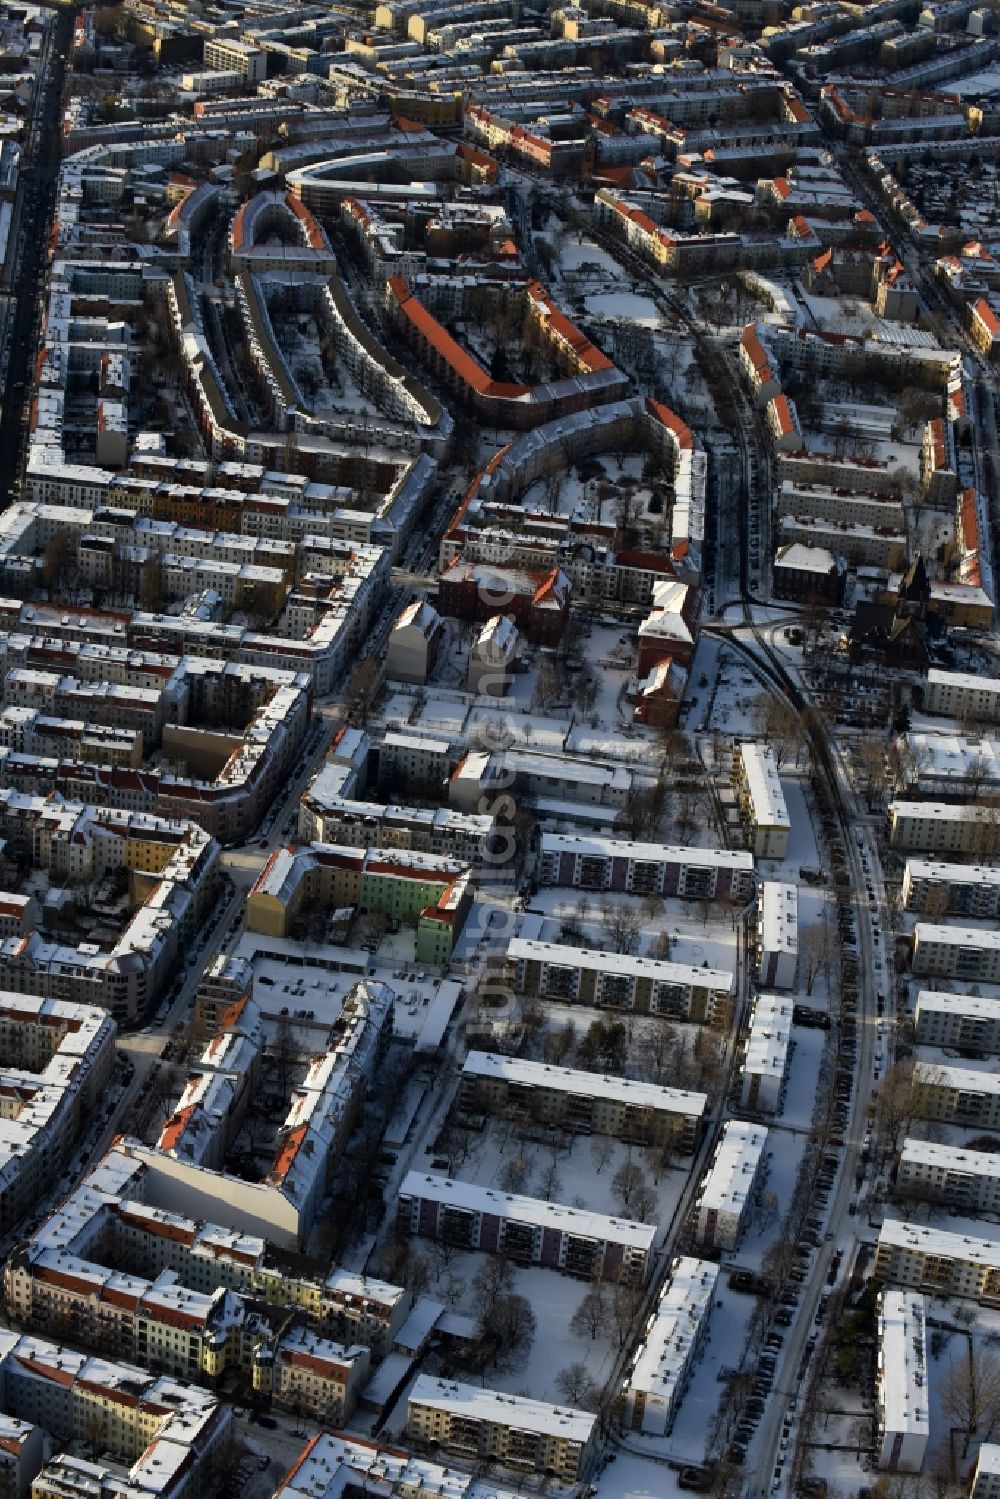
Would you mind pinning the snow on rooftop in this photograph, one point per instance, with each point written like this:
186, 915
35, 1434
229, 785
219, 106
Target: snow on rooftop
475, 1404
530, 1210
623, 1090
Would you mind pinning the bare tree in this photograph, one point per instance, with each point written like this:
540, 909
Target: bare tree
592, 1316
600, 1152
516, 1173
969, 1395
621, 925
815, 952
629, 1184
574, 1384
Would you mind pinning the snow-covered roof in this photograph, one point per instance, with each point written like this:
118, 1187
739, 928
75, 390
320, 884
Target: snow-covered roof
902, 1363
622, 1090
980, 1006
778, 917
686, 1299
763, 785
476, 1404
527, 950
734, 1165
531, 1210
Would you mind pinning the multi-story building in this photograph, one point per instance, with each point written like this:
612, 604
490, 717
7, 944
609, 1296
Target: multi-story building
332, 1464
944, 828
230, 55
962, 695
59, 1060
728, 1187
986, 1480
777, 934
937, 1261
761, 799
970, 1022
654, 1387
901, 1382
426, 891
966, 1179
525, 1229
766, 1055
485, 1426
581, 1101
619, 981
170, 1438
951, 889
413, 643
957, 952
956, 1095
629, 868
308, 1373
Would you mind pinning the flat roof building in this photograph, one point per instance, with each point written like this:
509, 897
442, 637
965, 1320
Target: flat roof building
484, 1425
761, 799
728, 1187
581, 1101
766, 1056
777, 934
901, 1383
662, 1364
970, 1022
619, 981
525, 1229
960, 952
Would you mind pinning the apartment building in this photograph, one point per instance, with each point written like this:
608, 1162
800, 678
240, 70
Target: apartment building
970, 1022
986, 1479
956, 952
766, 1056
155, 1435
308, 1373
431, 893
567, 1099
962, 695
661, 1367
417, 760
619, 981
525, 1229
334, 1464
937, 1261
943, 828
620, 866
59, 1060
956, 1095
413, 644
966, 1179
482, 1425
761, 799
230, 55
777, 934
951, 889
902, 1392
728, 1187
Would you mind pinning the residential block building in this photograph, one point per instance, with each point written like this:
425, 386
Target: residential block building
956, 1095
483, 1425
958, 952
644, 868
573, 1100
728, 1187
969, 1022
902, 1390
761, 799
525, 1229
777, 934
654, 1386
766, 1056
619, 981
